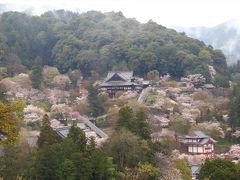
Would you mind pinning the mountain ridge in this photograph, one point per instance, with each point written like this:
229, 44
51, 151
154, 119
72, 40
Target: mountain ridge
95, 41
224, 36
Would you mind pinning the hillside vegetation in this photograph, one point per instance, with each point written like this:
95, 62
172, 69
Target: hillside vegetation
99, 42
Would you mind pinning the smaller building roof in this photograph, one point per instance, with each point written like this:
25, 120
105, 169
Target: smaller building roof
196, 134
200, 137
205, 140
195, 169
87, 127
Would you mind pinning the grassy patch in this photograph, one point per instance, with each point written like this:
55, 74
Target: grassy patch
224, 142
223, 145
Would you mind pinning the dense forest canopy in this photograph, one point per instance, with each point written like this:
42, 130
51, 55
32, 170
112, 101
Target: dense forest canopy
100, 42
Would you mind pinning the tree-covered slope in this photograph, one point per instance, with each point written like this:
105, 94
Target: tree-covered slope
99, 42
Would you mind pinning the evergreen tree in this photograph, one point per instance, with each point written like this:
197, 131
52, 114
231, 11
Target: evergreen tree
176, 110
78, 137
15, 161
91, 145
36, 74
208, 116
136, 123
125, 118
94, 101
142, 128
47, 134
153, 75
235, 110
74, 76
67, 170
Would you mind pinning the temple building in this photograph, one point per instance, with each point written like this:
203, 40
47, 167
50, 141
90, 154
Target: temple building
121, 81
197, 143
88, 128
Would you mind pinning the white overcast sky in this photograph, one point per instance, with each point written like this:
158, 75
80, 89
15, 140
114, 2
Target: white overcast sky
170, 13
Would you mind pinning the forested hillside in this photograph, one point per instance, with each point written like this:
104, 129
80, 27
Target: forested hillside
99, 42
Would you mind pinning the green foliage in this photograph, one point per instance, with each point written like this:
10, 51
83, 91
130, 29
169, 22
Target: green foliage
142, 128
205, 56
36, 74
183, 167
65, 160
67, 170
221, 169
74, 76
125, 118
94, 101
36, 125
47, 134
219, 61
78, 137
221, 81
15, 161
136, 123
143, 171
127, 149
176, 110
10, 116
234, 116
236, 79
102, 42
49, 73
179, 125
153, 75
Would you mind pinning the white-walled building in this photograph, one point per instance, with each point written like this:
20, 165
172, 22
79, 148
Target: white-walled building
197, 143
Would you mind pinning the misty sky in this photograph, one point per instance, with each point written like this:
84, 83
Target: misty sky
185, 13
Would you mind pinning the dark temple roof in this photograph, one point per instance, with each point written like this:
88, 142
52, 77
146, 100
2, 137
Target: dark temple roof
125, 75
118, 78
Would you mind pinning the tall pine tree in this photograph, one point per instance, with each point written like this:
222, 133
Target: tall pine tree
78, 137
36, 74
234, 118
47, 134
136, 123
125, 118
94, 101
142, 128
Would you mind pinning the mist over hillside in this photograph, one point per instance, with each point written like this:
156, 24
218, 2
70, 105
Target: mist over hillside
224, 36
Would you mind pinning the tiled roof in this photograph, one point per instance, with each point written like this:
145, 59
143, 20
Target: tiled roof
124, 79
126, 75
196, 134
86, 126
202, 138
205, 140
195, 169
